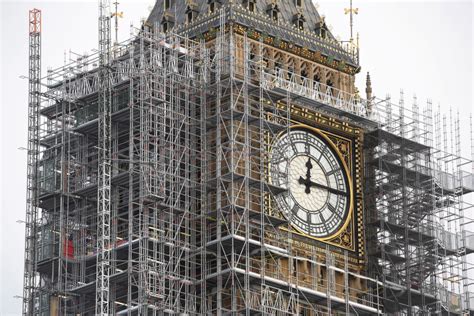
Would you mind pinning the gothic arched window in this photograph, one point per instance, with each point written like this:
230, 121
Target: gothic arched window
191, 13
167, 24
189, 16
298, 21
273, 11
329, 87
321, 28
304, 73
213, 5
250, 5
317, 78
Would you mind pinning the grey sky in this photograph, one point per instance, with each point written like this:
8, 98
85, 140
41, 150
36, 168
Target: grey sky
423, 47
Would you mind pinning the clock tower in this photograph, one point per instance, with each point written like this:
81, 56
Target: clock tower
284, 200
222, 162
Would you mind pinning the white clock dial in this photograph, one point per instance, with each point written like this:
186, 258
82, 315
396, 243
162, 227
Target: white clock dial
317, 199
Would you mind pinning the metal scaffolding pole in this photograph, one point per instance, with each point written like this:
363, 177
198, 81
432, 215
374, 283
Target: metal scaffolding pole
104, 161
30, 278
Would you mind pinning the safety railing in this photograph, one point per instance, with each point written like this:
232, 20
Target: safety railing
297, 84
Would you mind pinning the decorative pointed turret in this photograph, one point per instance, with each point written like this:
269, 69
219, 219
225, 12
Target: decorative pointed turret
368, 92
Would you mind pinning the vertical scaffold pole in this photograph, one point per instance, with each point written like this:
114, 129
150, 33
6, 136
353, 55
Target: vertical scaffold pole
34, 100
471, 121
104, 167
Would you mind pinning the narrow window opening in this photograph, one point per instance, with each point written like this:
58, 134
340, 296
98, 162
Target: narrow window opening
272, 11
329, 85
323, 33
316, 78
291, 73
298, 21
304, 73
275, 15
300, 24
251, 6
278, 68
295, 272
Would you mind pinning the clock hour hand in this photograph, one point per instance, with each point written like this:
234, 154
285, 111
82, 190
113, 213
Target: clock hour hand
305, 182
309, 166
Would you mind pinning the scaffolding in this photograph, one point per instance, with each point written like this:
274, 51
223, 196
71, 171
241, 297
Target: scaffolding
415, 212
104, 136
34, 100
152, 188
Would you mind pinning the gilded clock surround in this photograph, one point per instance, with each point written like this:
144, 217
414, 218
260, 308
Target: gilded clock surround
342, 231
347, 140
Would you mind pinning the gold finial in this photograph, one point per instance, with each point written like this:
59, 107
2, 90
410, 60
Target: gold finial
351, 11
116, 15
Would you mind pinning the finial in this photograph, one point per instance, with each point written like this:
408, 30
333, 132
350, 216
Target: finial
116, 15
351, 11
368, 86
368, 92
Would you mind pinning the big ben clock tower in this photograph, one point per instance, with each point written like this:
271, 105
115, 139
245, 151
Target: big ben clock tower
283, 200
222, 162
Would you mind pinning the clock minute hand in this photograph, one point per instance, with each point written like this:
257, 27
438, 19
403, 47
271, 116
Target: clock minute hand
332, 190
309, 166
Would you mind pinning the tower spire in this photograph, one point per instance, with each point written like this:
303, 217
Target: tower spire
368, 92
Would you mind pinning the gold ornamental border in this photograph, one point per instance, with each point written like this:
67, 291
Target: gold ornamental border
318, 132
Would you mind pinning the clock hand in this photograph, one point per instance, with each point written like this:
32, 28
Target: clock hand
309, 166
332, 190
306, 183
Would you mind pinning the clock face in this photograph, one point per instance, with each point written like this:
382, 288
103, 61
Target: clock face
318, 192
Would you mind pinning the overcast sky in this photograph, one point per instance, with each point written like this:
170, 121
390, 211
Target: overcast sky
424, 47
